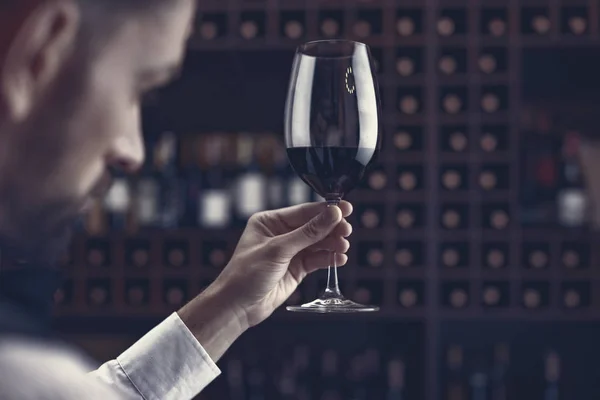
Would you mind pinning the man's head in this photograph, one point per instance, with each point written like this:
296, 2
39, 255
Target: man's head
72, 73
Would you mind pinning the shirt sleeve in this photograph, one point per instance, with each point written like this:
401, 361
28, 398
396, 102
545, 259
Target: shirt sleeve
168, 363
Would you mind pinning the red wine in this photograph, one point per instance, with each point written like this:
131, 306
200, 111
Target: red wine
331, 172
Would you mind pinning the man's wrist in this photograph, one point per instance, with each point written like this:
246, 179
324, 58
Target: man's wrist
214, 321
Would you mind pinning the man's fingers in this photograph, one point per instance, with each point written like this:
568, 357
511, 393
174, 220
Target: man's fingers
332, 243
344, 229
310, 233
296, 216
312, 262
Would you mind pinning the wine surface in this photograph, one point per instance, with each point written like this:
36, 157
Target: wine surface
331, 172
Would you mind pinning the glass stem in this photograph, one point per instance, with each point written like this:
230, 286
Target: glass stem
333, 286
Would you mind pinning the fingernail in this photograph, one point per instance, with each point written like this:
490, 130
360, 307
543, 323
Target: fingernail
330, 215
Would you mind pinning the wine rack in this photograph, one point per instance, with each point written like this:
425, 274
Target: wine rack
446, 227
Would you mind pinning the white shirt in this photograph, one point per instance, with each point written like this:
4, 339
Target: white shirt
167, 363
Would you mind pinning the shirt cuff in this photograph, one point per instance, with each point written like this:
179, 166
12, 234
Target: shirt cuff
168, 363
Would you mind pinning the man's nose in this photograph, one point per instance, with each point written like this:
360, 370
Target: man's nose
127, 154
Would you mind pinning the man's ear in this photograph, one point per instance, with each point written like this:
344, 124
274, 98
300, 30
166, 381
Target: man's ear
41, 47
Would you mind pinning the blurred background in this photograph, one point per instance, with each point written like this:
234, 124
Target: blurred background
474, 231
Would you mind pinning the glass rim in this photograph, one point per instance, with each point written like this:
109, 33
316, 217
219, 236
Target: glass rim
303, 48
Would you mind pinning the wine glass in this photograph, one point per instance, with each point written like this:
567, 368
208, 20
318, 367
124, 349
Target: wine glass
332, 134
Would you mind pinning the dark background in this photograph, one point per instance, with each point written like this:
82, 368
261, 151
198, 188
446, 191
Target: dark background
234, 84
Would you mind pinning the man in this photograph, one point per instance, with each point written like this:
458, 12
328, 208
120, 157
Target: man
71, 76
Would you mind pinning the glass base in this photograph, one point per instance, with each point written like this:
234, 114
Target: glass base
332, 305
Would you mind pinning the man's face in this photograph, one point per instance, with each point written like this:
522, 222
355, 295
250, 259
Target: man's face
83, 119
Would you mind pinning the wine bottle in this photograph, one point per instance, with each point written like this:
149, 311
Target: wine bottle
165, 162
331, 23
358, 378
250, 188
406, 139
448, 65
487, 63
368, 23
214, 200
408, 297
362, 29
575, 255
95, 223
454, 139
577, 24
571, 298
494, 177
454, 177
455, 388
571, 259
491, 296
535, 294
292, 24
405, 66
287, 383
137, 254
373, 373
479, 381
176, 254
454, 254
329, 380
409, 104
452, 61
396, 372
235, 380
409, 254
409, 22
256, 380
452, 103
117, 203
98, 292
495, 216
404, 257
410, 179
212, 26
273, 160
191, 155
137, 293
489, 142
499, 371
552, 375
458, 298
147, 199
64, 295
252, 25
377, 179
98, 253
298, 192
214, 253
452, 218
495, 255
371, 217
495, 23
456, 295
571, 198
446, 26
536, 255
541, 24
175, 293
490, 102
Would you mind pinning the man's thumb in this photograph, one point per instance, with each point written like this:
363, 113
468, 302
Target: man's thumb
313, 231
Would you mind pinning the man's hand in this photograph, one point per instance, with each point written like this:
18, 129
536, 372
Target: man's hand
276, 252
